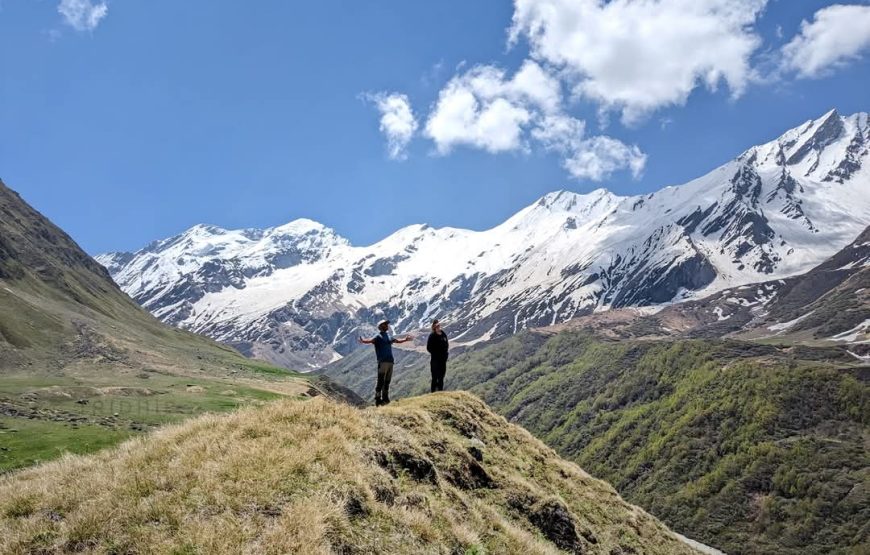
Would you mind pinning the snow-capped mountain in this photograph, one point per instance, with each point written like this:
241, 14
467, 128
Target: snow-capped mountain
298, 294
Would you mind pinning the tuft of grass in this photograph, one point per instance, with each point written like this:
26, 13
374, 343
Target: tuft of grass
434, 474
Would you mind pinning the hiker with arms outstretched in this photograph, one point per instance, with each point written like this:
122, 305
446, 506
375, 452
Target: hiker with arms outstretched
437, 345
384, 351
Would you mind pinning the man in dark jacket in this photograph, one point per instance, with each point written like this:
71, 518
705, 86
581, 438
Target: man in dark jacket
384, 352
437, 347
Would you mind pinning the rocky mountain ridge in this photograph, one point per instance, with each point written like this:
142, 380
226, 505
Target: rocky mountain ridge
298, 294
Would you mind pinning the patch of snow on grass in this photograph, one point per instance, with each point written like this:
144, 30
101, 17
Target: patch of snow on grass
485, 337
853, 334
781, 327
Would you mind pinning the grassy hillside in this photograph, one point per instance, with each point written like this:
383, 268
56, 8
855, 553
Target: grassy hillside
82, 366
749, 448
436, 474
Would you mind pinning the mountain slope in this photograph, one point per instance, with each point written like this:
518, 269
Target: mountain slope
749, 448
438, 474
827, 305
830, 302
82, 365
299, 294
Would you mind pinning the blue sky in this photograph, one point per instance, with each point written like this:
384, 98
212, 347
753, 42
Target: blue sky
130, 121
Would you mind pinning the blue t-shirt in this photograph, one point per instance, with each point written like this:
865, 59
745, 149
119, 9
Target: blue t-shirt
383, 347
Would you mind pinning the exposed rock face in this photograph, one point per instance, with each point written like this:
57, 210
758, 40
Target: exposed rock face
830, 302
299, 294
31, 244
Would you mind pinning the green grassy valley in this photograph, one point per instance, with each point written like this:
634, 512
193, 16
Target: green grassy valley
83, 367
749, 448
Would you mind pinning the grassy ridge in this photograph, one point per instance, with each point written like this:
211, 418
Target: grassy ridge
750, 448
436, 474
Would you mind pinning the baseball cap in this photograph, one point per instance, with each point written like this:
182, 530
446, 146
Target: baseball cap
382, 322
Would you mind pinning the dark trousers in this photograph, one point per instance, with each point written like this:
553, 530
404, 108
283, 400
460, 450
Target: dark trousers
385, 374
439, 368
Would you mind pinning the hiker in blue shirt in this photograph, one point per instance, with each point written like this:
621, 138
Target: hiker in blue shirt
384, 351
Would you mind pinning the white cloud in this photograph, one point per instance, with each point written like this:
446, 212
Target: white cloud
559, 132
636, 56
461, 117
82, 15
837, 35
536, 86
600, 156
484, 109
594, 158
398, 123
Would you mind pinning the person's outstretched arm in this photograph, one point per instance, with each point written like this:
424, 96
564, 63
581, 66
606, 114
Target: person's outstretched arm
365, 341
403, 340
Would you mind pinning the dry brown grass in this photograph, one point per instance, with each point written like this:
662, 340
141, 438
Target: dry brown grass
322, 477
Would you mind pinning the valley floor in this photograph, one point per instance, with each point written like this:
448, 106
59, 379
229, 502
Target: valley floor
44, 416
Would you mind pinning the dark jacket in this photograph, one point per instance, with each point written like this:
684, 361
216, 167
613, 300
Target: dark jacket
438, 345
383, 347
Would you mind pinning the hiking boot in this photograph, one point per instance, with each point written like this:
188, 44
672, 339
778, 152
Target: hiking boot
378, 402
386, 401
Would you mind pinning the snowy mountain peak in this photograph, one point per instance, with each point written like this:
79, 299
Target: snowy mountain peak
300, 226
829, 149
818, 135
209, 232
405, 237
298, 294
567, 207
558, 200
578, 203
205, 229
